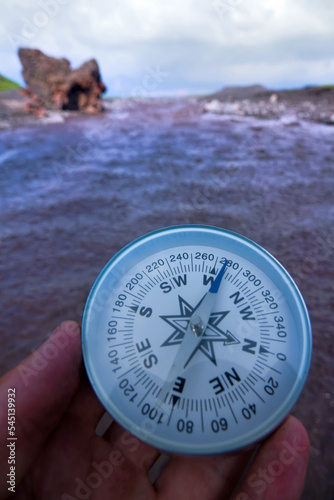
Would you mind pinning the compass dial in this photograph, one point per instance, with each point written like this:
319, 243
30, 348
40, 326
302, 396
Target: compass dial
196, 340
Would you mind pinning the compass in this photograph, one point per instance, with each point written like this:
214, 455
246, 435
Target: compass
196, 340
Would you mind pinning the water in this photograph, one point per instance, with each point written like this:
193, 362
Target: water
74, 193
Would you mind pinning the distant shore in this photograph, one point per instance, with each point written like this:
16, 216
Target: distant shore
310, 104
314, 104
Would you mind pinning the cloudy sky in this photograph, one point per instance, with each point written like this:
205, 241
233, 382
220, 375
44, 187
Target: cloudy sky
177, 46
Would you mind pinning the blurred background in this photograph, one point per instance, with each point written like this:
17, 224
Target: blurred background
202, 45
76, 188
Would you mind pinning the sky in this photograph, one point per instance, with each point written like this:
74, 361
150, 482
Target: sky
177, 47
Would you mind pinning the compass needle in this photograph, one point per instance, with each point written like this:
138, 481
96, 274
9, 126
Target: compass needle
197, 325
196, 340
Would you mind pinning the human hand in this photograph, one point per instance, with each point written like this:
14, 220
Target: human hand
59, 456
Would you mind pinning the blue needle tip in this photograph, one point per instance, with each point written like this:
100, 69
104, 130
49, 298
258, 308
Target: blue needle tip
216, 284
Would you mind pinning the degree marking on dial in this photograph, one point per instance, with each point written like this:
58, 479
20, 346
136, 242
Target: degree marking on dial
257, 376
232, 393
229, 404
259, 367
264, 357
148, 384
144, 397
215, 406
148, 287
264, 342
250, 375
123, 343
258, 372
149, 278
128, 371
270, 367
269, 313
235, 393
141, 378
244, 386
222, 399
230, 396
160, 275
187, 410
255, 291
169, 266
132, 295
241, 390
255, 392
155, 390
130, 356
277, 340
256, 304
240, 396
170, 416
202, 417
236, 275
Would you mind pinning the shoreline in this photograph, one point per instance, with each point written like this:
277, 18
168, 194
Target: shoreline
311, 104
314, 104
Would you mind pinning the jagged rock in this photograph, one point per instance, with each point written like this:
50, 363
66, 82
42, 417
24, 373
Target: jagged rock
54, 85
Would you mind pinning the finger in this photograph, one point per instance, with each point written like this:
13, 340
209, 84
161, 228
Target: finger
82, 418
279, 468
44, 385
85, 409
204, 478
139, 453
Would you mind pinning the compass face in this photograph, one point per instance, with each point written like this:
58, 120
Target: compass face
188, 364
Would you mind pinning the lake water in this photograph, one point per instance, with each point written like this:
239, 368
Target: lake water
74, 193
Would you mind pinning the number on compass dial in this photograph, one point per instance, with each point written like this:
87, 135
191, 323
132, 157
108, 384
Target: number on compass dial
196, 340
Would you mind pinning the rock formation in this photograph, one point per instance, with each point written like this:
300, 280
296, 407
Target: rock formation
52, 83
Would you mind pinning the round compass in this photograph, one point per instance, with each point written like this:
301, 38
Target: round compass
196, 340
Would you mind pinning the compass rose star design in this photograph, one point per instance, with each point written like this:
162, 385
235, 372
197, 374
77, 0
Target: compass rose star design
211, 335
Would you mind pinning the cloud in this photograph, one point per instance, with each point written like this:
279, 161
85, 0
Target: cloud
202, 44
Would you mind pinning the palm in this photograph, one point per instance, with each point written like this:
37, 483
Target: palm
60, 456
77, 462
